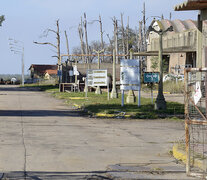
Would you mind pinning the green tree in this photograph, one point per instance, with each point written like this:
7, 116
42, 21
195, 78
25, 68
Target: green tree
154, 63
2, 19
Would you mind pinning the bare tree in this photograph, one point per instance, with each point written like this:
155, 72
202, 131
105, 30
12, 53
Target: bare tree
67, 44
140, 41
101, 31
116, 38
80, 31
57, 46
144, 27
86, 37
123, 35
127, 32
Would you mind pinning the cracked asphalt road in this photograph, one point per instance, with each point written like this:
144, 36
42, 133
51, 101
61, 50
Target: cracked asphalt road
41, 134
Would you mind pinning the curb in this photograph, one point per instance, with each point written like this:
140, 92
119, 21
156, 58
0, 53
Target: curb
110, 115
78, 106
180, 155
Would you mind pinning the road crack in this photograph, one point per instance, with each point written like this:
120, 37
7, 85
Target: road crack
23, 140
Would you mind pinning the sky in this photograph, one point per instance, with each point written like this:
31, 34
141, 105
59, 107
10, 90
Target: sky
26, 20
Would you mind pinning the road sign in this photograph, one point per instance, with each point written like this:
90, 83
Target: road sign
151, 77
97, 77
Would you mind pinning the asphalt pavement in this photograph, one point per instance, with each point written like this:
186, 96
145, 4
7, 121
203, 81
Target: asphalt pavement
43, 138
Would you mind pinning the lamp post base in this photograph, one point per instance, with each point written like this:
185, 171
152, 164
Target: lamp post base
114, 94
160, 104
98, 90
130, 97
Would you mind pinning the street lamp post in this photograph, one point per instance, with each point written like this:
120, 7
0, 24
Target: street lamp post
18, 49
98, 89
160, 103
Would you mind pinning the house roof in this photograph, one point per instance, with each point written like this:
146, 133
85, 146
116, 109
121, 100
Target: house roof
191, 5
43, 68
179, 26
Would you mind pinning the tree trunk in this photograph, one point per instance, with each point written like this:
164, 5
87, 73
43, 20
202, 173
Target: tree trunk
123, 35
58, 43
86, 38
80, 31
127, 31
101, 31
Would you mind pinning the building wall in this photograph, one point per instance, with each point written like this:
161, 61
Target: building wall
82, 68
177, 60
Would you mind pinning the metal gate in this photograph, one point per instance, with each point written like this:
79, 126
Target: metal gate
195, 121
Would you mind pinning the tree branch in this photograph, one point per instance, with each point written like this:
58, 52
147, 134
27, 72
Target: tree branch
46, 43
51, 30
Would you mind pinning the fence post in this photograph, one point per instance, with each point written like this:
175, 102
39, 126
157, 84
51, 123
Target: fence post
187, 136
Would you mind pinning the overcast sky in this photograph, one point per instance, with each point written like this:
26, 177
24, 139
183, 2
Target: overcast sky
27, 19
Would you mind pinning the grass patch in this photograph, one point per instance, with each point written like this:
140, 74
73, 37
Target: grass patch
173, 87
48, 88
94, 104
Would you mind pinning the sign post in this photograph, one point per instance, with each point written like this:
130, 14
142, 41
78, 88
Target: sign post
151, 78
130, 77
97, 77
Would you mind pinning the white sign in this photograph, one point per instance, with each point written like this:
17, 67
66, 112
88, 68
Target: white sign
197, 96
75, 70
129, 75
71, 73
97, 77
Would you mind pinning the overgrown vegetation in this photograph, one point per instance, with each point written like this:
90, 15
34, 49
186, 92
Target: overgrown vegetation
173, 87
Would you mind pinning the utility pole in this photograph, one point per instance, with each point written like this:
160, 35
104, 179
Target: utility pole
160, 103
23, 66
14, 46
123, 35
101, 31
86, 39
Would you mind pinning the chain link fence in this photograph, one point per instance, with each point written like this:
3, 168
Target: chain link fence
196, 122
